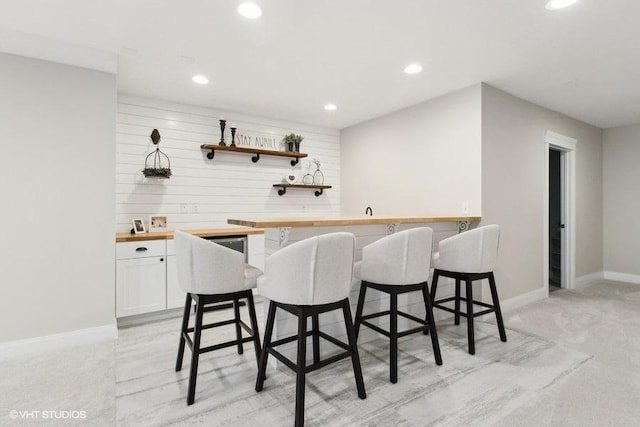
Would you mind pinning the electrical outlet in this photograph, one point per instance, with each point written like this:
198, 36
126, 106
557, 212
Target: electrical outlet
465, 208
184, 209
194, 208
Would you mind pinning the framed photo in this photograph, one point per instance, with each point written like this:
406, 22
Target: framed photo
158, 223
138, 225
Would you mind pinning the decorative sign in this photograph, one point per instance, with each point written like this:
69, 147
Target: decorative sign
265, 142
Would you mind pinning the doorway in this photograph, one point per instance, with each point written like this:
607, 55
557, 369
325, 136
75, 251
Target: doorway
556, 223
559, 212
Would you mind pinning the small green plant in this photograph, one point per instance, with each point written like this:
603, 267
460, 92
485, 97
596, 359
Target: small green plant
292, 138
293, 141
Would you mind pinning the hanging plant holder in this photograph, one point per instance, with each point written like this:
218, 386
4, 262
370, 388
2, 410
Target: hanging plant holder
157, 164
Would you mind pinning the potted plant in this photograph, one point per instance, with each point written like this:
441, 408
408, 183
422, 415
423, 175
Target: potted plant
293, 141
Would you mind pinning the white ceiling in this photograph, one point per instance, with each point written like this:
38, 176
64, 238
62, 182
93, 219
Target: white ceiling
583, 61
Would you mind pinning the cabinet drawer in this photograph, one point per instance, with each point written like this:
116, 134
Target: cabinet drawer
142, 249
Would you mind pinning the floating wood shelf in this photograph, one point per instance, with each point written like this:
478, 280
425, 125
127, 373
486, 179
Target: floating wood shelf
283, 188
255, 151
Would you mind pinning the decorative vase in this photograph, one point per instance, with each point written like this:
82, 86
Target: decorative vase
296, 146
233, 137
289, 146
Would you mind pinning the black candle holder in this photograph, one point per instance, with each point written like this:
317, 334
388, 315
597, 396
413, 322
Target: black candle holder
223, 123
233, 137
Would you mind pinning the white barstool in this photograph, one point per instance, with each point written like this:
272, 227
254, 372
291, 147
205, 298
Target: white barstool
469, 256
308, 278
397, 264
210, 273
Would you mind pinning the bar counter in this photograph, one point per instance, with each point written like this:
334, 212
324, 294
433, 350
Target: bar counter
281, 232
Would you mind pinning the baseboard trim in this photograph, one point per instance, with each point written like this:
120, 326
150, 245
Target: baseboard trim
588, 279
622, 277
524, 299
48, 343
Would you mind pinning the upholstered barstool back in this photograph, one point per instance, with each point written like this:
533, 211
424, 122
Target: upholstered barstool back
474, 251
306, 279
397, 264
211, 274
469, 256
402, 258
314, 271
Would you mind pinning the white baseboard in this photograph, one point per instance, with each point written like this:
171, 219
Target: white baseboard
48, 343
524, 299
622, 277
588, 279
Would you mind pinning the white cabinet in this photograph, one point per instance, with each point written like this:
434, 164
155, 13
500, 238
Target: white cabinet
141, 276
175, 295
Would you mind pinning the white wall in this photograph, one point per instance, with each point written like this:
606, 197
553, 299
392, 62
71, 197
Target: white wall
230, 185
622, 200
57, 175
513, 188
423, 160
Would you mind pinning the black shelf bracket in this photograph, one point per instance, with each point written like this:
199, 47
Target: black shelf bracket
294, 162
318, 192
255, 158
282, 191
211, 154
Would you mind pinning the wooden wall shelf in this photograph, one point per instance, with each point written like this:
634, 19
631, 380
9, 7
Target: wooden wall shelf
255, 151
283, 188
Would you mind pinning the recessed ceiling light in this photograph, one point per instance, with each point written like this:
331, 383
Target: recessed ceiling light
413, 69
200, 79
330, 107
559, 4
250, 10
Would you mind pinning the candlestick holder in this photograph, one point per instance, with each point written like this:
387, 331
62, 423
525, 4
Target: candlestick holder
233, 137
223, 123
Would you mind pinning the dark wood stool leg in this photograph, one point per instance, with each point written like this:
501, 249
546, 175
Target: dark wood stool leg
434, 285
470, 334
264, 354
236, 313
353, 348
496, 306
197, 331
183, 330
315, 324
457, 303
359, 308
432, 325
254, 326
301, 365
393, 338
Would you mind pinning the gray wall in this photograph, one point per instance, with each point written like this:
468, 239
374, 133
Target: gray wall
57, 172
423, 160
513, 187
622, 200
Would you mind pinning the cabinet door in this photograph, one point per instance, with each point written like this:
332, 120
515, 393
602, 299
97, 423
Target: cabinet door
140, 286
175, 295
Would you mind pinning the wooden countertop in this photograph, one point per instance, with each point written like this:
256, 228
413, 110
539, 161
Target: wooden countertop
211, 232
365, 220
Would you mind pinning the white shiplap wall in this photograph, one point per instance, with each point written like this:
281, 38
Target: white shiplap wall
203, 193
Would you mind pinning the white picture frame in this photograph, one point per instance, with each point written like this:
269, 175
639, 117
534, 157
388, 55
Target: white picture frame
157, 223
138, 225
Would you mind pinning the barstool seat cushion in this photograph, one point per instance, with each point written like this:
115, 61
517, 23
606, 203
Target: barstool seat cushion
474, 251
251, 275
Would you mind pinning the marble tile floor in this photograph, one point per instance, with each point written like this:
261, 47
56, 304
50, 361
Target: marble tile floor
570, 360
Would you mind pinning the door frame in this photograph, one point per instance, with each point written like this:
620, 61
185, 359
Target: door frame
567, 146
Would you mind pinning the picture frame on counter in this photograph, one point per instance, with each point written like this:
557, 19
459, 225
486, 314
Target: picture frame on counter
138, 225
157, 223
